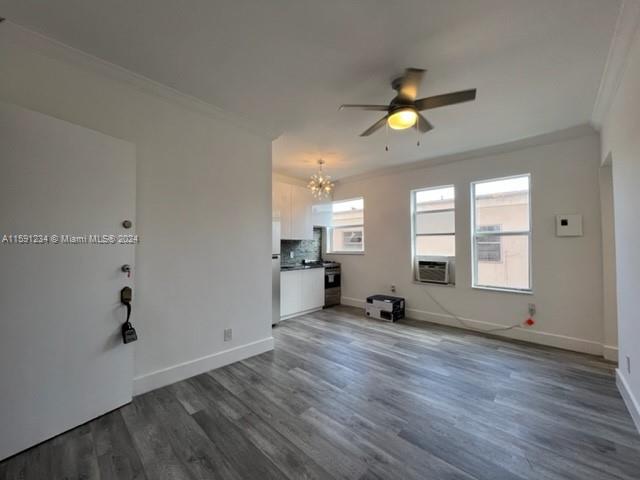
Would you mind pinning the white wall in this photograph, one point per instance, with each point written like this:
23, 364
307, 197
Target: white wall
278, 177
610, 311
203, 205
567, 272
621, 141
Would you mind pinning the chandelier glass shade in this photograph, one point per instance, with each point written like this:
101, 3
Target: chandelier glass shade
320, 183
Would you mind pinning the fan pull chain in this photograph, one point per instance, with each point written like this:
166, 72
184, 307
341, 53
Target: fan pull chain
386, 147
417, 134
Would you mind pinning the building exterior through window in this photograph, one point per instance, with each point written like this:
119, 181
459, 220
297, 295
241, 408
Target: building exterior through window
347, 226
502, 233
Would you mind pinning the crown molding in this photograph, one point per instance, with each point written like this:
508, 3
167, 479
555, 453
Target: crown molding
623, 36
520, 144
49, 47
283, 178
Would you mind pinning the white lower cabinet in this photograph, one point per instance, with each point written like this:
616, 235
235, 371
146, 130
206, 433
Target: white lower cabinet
290, 293
301, 291
312, 288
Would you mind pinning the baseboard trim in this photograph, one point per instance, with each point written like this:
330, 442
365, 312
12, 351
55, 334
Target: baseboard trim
610, 353
533, 336
352, 302
166, 376
630, 401
298, 314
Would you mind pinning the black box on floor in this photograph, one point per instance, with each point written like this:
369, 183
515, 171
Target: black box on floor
384, 307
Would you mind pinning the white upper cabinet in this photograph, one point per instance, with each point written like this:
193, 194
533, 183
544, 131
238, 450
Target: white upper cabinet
301, 224
293, 203
281, 198
321, 214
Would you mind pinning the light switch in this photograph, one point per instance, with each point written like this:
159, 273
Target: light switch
569, 225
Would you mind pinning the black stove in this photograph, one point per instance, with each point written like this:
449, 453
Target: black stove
332, 283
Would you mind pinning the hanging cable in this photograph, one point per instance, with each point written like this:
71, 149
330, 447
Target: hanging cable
463, 322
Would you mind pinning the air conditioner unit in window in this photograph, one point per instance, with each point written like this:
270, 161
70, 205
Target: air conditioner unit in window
433, 270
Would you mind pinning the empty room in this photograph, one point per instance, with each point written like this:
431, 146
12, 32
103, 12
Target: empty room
337, 239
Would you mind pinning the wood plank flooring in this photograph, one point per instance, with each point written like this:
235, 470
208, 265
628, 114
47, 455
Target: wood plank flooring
346, 397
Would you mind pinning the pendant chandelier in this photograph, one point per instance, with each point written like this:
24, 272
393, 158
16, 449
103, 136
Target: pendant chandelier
320, 183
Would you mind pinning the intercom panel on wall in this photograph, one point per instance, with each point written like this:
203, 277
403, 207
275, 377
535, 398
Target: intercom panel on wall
569, 225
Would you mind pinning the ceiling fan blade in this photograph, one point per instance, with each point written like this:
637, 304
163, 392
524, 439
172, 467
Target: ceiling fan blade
377, 108
376, 126
424, 125
409, 83
445, 99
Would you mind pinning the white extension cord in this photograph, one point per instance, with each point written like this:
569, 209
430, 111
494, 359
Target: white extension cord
463, 322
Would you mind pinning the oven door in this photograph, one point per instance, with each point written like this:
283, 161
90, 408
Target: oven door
331, 278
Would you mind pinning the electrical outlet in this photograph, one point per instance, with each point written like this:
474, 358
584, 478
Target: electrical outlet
628, 364
532, 309
228, 334
393, 288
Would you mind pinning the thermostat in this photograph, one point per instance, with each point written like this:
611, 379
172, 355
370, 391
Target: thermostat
569, 225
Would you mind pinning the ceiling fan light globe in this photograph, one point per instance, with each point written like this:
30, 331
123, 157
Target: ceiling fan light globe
402, 119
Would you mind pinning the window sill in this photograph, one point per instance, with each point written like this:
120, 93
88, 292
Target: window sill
503, 290
433, 284
345, 253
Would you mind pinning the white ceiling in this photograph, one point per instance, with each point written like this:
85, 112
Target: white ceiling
289, 64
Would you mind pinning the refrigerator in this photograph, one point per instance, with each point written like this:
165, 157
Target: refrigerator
275, 268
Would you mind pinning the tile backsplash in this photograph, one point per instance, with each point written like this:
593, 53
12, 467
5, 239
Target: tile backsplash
302, 249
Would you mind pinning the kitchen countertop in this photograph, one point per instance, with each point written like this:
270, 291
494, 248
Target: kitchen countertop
288, 268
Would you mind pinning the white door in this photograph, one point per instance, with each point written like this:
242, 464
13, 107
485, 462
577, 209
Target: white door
62, 359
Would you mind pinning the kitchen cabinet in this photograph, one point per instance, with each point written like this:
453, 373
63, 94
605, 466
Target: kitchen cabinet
281, 206
312, 289
290, 293
292, 203
301, 203
301, 291
321, 214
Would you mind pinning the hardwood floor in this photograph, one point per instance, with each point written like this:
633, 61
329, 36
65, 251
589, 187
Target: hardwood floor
345, 397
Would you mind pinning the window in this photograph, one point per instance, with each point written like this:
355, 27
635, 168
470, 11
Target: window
434, 229
489, 247
347, 226
501, 228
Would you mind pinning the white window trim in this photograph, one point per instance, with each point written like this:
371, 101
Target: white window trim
414, 213
474, 234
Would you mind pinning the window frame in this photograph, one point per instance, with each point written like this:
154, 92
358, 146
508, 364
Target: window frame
414, 228
519, 233
330, 230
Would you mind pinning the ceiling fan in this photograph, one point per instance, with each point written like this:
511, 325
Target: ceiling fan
404, 110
